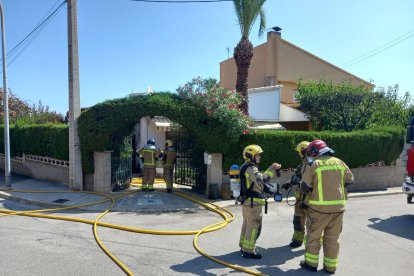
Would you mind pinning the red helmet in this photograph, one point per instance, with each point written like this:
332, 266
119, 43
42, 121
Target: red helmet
318, 147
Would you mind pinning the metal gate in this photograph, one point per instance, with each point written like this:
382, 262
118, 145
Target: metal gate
121, 165
190, 169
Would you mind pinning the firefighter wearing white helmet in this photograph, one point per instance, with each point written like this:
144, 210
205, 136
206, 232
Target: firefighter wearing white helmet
253, 202
149, 155
168, 157
299, 217
325, 183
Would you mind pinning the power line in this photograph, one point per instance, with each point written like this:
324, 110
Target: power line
368, 54
398, 39
381, 50
28, 39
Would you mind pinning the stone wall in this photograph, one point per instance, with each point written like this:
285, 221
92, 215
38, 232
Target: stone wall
367, 178
39, 167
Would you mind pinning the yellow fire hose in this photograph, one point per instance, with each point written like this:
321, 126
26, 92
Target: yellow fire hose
206, 204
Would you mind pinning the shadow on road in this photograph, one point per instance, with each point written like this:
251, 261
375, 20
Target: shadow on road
272, 257
401, 226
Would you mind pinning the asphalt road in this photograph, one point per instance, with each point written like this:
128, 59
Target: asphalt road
377, 239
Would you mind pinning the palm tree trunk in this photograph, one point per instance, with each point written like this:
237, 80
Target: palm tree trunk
243, 54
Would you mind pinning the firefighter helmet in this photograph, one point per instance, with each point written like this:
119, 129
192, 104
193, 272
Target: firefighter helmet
168, 143
302, 147
319, 147
151, 141
250, 151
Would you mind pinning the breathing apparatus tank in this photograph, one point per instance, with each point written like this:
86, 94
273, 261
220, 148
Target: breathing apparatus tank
234, 173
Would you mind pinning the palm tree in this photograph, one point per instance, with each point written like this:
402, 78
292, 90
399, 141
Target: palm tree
247, 12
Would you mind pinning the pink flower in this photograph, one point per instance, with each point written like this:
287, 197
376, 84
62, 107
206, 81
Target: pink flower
246, 131
230, 105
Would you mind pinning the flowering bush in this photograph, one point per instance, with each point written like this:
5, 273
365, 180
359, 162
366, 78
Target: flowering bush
219, 104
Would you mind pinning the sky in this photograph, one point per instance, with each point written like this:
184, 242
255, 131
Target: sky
127, 46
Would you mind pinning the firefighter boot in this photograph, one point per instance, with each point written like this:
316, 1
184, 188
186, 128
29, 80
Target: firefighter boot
304, 265
254, 255
295, 243
327, 271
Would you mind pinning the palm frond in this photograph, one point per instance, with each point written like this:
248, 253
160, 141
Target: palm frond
247, 12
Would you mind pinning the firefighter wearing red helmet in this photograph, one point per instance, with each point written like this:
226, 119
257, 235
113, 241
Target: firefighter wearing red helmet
252, 205
325, 182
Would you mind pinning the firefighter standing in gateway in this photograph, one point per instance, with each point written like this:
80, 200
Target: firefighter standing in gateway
299, 217
253, 203
150, 155
168, 157
325, 181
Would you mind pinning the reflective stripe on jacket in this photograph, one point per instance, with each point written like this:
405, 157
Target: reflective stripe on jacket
150, 154
256, 178
327, 177
168, 157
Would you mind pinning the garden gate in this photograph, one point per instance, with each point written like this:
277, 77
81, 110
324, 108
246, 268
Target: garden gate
190, 169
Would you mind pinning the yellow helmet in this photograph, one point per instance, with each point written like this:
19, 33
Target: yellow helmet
168, 143
250, 151
302, 147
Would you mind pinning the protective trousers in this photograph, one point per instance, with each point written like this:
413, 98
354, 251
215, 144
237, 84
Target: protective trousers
331, 226
168, 177
252, 223
299, 218
148, 178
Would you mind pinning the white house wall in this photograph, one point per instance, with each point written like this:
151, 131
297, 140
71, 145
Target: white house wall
289, 114
148, 129
264, 104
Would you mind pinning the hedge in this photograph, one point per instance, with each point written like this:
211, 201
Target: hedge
104, 125
357, 148
51, 140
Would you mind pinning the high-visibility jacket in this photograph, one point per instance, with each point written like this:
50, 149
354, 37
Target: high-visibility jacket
150, 155
327, 178
297, 177
254, 182
168, 157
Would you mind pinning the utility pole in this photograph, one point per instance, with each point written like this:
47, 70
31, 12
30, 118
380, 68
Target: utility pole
7, 169
75, 161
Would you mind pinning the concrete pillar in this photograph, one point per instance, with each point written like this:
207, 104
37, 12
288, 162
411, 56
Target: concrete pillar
102, 174
75, 161
215, 171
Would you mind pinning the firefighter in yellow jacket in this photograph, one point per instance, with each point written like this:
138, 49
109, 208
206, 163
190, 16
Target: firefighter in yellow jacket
168, 156
254, 200
299, 217
149, 155
325, 181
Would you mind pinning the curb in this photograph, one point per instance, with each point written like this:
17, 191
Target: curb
223, 203
371, 194
29, 202
226, 203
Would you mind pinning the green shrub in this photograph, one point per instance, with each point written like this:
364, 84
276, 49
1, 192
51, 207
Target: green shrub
104, 125
356, 148
51, 140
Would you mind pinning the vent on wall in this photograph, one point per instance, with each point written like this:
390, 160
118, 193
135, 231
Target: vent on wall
294, 98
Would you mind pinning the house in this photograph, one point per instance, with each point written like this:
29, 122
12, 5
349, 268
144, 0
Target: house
280, 63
